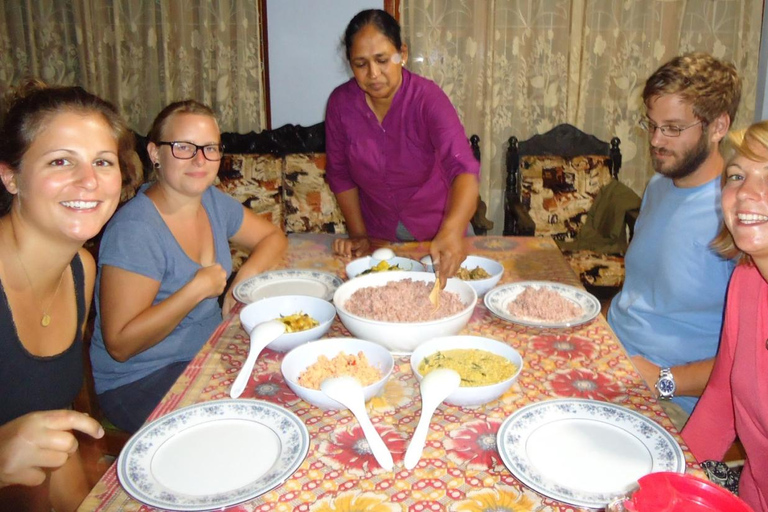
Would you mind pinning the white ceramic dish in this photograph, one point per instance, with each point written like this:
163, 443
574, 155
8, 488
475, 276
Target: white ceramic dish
273, 308
212, 455
356, 267
287, 282
481, 286
499, 298
298, 359
470, 396
403, 337
584, 452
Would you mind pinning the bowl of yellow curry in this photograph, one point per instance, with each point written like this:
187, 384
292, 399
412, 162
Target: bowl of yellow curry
369, 265
306, 318
487, 367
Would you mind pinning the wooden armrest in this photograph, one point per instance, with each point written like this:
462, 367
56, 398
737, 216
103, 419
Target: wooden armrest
630, 217
480, 223
518, 222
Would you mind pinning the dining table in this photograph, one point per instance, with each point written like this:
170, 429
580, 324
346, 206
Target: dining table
461, 468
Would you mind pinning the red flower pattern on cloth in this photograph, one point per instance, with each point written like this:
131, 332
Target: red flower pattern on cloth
273, 388
348, 448
585, 384
474, 444
569, 347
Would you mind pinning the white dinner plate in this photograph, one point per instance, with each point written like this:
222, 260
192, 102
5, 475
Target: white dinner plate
499, 298
213, 455
287, 282
584, 452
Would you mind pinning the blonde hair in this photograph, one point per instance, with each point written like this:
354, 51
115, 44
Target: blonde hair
709, 85
744, 143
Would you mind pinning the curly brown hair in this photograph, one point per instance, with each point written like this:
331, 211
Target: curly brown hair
744, 143
710, 85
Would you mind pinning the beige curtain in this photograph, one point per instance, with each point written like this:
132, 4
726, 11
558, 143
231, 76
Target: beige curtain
142, 54
521, 67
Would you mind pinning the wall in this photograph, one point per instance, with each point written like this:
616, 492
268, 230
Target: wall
306, 56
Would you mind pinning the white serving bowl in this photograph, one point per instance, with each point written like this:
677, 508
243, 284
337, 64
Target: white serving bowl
470, 396
298, 359
403, 337
481, 286
355, 267
272, 308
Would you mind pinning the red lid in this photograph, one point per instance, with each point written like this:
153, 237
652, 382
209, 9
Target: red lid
676, 492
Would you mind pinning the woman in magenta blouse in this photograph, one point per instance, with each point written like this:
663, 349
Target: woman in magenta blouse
398, 158
735, 402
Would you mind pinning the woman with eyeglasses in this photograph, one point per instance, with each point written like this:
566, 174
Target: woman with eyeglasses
164, 261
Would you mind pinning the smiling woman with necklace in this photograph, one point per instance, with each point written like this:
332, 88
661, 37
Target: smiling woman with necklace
60, 169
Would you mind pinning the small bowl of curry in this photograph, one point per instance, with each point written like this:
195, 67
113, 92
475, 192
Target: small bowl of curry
306, 318
479, 272
488, 368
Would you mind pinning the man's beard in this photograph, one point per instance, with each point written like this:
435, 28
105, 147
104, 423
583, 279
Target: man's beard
690, 162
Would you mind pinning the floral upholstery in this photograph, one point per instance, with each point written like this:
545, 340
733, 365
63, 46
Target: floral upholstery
308, 202
256, 182
596, 269
558, 192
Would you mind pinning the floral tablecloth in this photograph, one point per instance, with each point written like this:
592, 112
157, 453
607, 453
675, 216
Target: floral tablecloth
460, 469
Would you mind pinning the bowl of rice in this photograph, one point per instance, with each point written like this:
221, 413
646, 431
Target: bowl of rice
481, 273
306, 318
488, 368
367, 265
393, 308
307, 366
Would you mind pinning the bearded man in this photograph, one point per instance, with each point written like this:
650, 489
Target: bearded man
669, 312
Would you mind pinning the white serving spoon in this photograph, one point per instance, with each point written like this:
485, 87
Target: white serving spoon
435, 387
261, 336
348, 392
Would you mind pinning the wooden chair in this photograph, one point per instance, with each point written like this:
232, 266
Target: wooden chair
480, 223
553, 181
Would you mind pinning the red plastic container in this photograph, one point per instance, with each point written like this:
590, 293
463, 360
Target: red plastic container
676, 492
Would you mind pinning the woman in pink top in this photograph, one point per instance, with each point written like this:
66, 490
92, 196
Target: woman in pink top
735, 402
398, 158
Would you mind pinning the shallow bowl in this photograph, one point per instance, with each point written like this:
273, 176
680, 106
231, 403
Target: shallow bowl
481, 286
298, 359
470, 396
273, 308
403, 337
356, 267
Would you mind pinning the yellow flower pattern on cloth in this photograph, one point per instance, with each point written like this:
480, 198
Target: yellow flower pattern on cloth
353, 502
498, 499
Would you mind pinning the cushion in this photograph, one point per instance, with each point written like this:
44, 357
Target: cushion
558, 192
310, 206
596, 269
256, 182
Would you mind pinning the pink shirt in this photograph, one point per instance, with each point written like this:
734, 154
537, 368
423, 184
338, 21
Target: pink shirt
735, 402
403, 168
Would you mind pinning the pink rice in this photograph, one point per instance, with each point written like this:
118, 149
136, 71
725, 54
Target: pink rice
543, 304
402, 301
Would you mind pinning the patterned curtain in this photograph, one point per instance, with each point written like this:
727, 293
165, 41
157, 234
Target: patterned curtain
521, 67
142, 54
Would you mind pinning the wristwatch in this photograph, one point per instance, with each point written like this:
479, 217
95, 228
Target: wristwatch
666, 384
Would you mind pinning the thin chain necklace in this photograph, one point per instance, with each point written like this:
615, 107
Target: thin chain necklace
45, 321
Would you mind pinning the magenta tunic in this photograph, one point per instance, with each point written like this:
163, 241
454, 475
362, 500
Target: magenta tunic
735, 402
404, 167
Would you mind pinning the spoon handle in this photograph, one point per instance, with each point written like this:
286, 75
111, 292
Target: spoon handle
416, 446
245, 374
261, 336
375, 442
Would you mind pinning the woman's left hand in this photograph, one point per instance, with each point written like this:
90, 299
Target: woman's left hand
448, 251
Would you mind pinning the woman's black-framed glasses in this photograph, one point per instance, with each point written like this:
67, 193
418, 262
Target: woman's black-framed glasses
187, 150
668, 130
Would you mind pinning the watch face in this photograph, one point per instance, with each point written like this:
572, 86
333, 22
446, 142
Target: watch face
666, 386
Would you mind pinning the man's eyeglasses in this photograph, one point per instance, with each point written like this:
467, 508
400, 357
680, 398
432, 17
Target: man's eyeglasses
667, 130
187, 150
